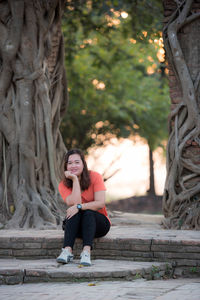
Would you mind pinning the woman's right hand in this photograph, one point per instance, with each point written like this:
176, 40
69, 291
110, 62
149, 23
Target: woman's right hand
71, 211
70, 175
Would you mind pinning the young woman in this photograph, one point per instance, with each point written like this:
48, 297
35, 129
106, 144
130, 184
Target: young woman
86, 216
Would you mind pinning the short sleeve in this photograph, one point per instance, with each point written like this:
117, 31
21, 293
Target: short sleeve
64, 191
97, 181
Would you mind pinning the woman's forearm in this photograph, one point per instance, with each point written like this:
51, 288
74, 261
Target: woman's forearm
75, 196
98, 203
94, 205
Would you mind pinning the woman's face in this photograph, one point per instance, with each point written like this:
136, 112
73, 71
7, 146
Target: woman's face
75, 164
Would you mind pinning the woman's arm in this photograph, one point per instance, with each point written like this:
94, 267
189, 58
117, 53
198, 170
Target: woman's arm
75, 197
98, 203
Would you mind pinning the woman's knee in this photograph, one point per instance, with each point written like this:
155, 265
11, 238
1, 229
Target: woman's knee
88, 217
88, 212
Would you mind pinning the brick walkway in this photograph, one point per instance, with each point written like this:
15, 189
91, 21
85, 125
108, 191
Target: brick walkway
179, 289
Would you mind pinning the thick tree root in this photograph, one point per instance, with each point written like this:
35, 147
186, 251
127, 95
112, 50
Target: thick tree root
33, 214
181, 200
33, 96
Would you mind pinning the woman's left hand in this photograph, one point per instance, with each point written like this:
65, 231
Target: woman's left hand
71, 211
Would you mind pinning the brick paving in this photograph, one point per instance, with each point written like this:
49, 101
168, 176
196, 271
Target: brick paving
173, 289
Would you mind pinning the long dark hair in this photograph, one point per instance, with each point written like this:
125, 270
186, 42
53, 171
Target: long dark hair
85, 175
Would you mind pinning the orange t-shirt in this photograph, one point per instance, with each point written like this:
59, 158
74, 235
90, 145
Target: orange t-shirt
97, 184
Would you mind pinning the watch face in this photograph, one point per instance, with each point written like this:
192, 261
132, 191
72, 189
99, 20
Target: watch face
79, 206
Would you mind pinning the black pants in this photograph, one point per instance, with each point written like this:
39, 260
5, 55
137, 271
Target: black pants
86, 224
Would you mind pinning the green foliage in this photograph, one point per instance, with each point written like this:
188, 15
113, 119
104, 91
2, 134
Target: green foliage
154, 273
152, 110
137, 276
110, 92
195, 270
143, 15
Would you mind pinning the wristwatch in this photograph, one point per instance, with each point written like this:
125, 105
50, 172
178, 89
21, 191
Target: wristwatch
79, 206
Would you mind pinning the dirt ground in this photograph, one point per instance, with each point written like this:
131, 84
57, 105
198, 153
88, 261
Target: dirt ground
138, 204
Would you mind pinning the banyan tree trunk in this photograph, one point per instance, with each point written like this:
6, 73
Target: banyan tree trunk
33, 96
181, 201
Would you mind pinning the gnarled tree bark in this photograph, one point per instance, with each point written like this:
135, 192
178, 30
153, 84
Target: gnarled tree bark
33, 97
181, 201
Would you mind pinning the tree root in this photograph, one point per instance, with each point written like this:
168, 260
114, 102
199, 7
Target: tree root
31, 214
32, 102
181, 204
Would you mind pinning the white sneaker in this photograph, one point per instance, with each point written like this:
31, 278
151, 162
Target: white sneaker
65, 256
85, 258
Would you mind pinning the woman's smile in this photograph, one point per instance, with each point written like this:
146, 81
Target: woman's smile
73, 170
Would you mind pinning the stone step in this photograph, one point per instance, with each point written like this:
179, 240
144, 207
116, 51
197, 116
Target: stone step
179, 247
15, 271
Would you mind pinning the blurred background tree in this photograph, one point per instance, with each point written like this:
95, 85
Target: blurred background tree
116, 81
